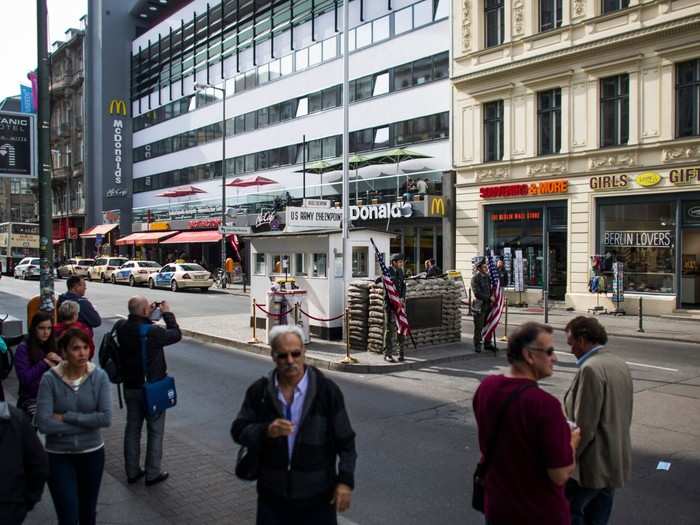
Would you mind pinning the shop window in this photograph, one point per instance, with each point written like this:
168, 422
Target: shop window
640, 235
550, 14
494, 22
688, 99
299, 264
260, 264
493, 131
549, 121
360, 261
610, 6
614, 110
319, 266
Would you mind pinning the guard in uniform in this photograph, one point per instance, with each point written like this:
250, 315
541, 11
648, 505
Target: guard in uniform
481, 289
392, 336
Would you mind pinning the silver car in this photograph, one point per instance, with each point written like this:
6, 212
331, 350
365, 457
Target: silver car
28, 268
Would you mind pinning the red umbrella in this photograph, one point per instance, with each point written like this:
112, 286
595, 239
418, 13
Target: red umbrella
247, 183
185, 191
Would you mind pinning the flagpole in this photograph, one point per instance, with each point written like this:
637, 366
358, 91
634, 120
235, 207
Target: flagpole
347, 270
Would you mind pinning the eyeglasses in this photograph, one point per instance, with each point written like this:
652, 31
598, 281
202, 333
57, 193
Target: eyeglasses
282, 356
549, 351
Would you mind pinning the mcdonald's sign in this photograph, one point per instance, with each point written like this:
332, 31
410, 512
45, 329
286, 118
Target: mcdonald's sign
117, 107
437, 206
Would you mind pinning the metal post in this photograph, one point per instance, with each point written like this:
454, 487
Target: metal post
303, 163
296, 314
46, 288
505, 326
348, 359
346, 150
223, 177
546, 291
470, 301
254, 339
641, 316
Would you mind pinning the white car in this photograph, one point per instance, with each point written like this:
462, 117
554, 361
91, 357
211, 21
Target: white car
134, 272
103, 268
28, 268
75, 266
178, 276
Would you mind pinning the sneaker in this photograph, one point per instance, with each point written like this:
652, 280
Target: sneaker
158, 479
389, 359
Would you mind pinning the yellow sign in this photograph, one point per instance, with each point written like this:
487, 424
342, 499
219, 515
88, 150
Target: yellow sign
648, 179
159, 226
117, 107
437, 206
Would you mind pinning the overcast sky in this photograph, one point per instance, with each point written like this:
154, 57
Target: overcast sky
18, 30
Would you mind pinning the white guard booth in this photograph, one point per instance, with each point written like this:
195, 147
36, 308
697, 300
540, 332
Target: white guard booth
315, 263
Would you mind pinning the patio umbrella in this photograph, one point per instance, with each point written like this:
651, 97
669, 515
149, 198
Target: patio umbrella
250, 182
184, 191
320, 167
396, 156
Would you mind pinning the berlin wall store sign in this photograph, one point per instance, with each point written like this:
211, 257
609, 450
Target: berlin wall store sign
17, 152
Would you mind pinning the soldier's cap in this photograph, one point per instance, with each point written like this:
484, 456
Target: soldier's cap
479, 261
397, 257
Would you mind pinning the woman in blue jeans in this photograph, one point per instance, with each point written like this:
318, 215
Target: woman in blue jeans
73, 404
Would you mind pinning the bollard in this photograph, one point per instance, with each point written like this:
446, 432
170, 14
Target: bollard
641, 316
505, 325
348, 359
470, 302
546, 307
254, 340
296, 314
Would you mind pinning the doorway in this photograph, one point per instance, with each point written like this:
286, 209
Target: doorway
690, 276
556, 242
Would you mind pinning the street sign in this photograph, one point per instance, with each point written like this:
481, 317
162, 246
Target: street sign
240, 230
17, 145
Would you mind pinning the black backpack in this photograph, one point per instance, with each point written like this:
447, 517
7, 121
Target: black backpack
108, 356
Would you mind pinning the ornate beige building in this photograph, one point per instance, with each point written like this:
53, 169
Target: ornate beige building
576, 134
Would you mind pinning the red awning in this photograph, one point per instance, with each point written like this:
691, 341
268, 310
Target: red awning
143, 238
194, 237
100, 229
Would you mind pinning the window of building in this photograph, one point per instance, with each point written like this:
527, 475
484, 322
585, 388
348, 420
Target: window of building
260, 268
610, 6
422, 71
302, 59
493, 131
402, 77
302, 107
549, 121
614, 110
441, 66
423, 13
381, 137
550, 14
363, 89
360, 261
381, 84
403, 20
494, 26
688, 99
299, 264
280, 264
642, 236
319, 265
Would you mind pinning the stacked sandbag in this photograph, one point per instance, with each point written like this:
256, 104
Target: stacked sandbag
376, 322
450, 329
358, 304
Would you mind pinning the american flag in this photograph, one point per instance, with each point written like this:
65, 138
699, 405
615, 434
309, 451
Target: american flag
402, 326
496, 311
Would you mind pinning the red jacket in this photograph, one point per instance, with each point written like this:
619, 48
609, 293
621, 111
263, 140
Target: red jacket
60, 328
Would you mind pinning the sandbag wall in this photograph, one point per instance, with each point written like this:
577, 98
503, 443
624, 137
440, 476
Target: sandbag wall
368, 314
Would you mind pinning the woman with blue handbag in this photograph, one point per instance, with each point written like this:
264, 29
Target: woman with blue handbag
73, 404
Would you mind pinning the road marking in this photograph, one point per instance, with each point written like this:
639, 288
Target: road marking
652, 366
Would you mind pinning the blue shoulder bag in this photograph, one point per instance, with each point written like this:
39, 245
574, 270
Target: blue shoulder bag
157, 395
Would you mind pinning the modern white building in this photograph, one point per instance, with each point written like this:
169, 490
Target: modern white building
281, 66
577, 142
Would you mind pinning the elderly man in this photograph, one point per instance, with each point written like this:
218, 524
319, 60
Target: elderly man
600, 401
295, 421
141, 311
526, 445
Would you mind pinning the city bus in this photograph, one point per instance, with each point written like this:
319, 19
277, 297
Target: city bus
17, 240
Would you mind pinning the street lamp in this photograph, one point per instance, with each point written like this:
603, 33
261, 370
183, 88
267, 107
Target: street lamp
201, 87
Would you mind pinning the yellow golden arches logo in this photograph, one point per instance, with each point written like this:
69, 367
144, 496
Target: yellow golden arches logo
117, 107
437, 206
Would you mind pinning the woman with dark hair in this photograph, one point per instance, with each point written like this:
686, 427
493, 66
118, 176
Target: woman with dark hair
73, 404
34, 356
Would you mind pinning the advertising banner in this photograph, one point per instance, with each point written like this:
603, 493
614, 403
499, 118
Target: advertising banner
618, 286
26, 101
518, 277
639, 239
17, 152
508, 263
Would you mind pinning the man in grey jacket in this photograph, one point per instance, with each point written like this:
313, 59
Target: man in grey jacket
600, 402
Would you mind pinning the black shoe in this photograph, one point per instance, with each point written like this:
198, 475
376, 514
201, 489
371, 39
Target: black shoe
161, 477
137, 477
477, 349
491, 348
389, 359
402, 358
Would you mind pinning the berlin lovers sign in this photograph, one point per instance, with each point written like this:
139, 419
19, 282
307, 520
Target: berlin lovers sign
17, 145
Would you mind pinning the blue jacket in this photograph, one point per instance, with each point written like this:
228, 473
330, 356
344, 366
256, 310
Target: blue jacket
88, 314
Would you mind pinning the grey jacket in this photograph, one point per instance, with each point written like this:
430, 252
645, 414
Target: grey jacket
481, 290
600, 401
84, 412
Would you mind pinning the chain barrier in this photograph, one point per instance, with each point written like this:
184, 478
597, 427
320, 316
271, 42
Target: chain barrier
282, 314
319, 319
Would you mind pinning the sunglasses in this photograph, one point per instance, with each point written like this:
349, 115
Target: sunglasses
282, 356
549, 351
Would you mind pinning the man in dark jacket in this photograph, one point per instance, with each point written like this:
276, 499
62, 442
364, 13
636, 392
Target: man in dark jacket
392, 337
295, 421
24, 466
76, 292
481, 290
131, 369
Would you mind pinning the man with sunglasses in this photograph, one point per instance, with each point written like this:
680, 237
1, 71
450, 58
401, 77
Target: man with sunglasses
527, 446
294, 421
600, 401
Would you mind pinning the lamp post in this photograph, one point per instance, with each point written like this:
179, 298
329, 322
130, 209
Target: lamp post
200, 87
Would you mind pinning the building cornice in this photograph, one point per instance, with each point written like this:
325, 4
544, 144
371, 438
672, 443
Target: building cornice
580, 48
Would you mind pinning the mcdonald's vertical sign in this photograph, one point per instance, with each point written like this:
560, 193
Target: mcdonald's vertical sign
436, 205
117, 107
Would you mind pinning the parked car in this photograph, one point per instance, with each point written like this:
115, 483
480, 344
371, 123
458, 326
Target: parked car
178, 276
134, 272
28, 268
75, 266
103, 268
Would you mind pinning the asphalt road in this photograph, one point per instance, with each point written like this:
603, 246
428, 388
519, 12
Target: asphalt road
416, 433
